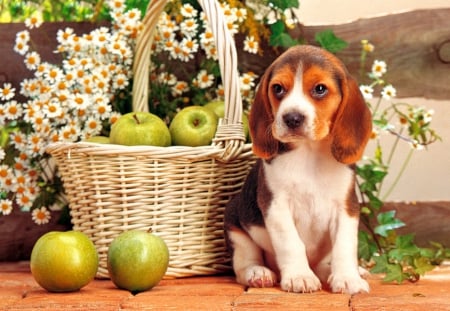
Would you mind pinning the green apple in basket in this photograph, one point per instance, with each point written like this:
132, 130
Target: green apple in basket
218, 106
140, 128
98, 139
193, 126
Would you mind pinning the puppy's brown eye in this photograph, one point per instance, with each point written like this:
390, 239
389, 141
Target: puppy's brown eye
278, 90
319, 91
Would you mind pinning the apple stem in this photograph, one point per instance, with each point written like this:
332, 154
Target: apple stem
150, 230
136, 118
196, 122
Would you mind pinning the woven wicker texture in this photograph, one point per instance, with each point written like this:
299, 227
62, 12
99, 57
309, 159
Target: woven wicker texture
178, 192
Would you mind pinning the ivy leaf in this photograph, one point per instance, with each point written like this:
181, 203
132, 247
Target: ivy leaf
381, 263
285, 4
366, 247
387, 223
329, 41
280, 37
395, 273
422, 265
404, 247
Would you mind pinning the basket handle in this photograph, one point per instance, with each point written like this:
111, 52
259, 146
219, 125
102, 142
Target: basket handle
230, 132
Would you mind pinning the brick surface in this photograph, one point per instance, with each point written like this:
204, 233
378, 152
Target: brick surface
19, 291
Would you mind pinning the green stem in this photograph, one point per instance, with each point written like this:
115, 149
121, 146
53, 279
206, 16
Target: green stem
375, 110
394, 147
388, 163
400, 173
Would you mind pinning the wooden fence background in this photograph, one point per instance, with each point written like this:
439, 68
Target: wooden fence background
415, 45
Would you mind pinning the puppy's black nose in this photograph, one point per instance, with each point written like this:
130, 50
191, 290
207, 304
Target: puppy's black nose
293, 119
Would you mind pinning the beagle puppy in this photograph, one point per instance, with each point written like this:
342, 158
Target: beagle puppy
295, 222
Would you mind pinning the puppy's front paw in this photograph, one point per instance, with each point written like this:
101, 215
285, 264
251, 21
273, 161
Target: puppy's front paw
257, 276
348, 284
303, 282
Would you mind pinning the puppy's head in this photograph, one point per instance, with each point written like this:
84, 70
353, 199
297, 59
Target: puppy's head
307, 93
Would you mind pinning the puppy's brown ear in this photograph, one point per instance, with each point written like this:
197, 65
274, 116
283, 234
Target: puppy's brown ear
352, 126
261, 118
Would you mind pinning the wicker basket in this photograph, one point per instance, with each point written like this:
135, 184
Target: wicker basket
180, 192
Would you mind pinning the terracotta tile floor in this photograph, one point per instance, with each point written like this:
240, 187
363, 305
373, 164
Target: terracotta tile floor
19, 291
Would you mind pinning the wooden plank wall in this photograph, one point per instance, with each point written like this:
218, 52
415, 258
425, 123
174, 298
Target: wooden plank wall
415, 45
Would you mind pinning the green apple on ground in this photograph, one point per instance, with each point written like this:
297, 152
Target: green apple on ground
137, 260
193, 126
63, 261
98, 139
218, 106
140, 128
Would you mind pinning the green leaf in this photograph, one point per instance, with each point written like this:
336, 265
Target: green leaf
285, 4
422, 265
381, 263
387, 223
395, 273
366, 247
405, 241
329, 41
280, 37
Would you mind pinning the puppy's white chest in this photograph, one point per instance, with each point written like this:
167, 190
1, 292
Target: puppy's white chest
305, 173
312, 183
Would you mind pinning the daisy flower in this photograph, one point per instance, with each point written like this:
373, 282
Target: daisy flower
206, 37
247, 81
24, 200
117, 5
188, 11
388, 92
7, 92
53, 74
52, 109
13, 110
41, 215
203, 79
18, 139
233, 27
367, 91
188, 48
102, 108
220, 91
32, 60
189, 27
79, 101
33, 22
379, 68
21, 47
23, 36
251, 45
93, 126
2, 154
62, 36
120, 81
179, 88
114, 116
241, 15
6, 206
